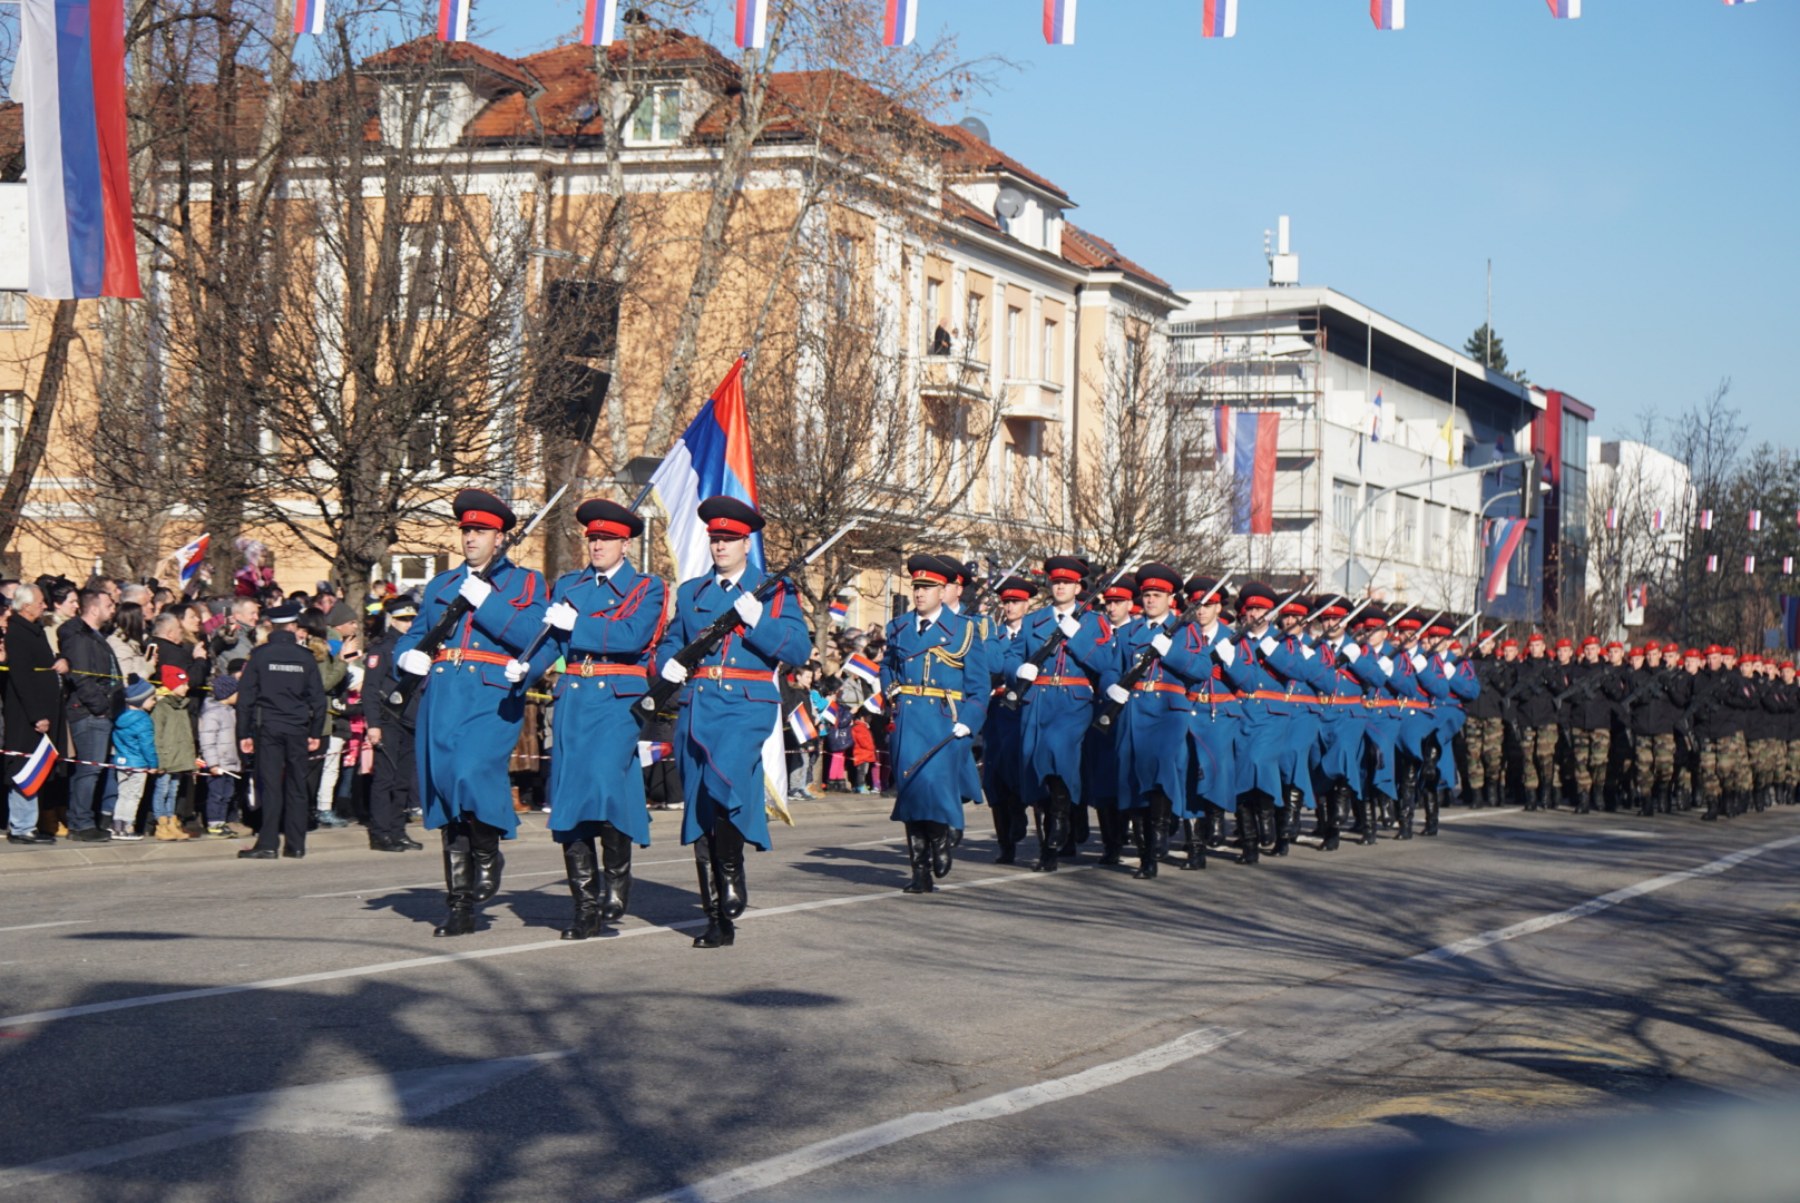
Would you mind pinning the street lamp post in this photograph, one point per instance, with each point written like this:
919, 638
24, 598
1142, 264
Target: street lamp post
1356, 522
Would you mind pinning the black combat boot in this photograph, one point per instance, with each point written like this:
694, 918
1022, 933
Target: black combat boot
459, 888
939, 840
1112, 835
1006, 833
728, 856
1215, 826
1365, 818
720, 931
1434, 804
1054, 829
918, 855
1195, 845
584, 889
1249, 829
1162, 825
488, 862
615, 852
1584, 800
1331, 813
1143, 835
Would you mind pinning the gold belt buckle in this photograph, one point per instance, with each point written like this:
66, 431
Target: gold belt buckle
455, 655
587, 667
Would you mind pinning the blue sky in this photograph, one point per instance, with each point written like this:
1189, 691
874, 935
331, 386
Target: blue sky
1632, 174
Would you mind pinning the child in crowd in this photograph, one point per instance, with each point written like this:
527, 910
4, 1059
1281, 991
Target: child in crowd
134, 753
862, 753
219, 749
175, 753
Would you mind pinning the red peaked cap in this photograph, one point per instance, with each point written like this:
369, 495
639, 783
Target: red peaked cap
927, 569
1017, 588
1197, 587
1256, 594
729, 516
1124, 588
602, 518
482, 510
1160, 577
1065, 568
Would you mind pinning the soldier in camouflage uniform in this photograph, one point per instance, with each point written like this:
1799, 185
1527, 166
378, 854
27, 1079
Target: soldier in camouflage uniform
1658, 699
1792, 780
1533, 699
1485, 731
1722, 698
1766, 729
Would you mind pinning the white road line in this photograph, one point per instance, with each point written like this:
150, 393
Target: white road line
36, 926
1593, 906
773, 1171
479, 954
1480, 814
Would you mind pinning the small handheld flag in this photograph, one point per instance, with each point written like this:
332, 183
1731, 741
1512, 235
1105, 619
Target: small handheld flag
900, 22
859, 665
1218, 19
309, 17
828, 717
652, 751
874, 703
453, 20
597, 22
36, 770
802, 726
1388, 14
840, 610
751, 28
1059, 22
191, 556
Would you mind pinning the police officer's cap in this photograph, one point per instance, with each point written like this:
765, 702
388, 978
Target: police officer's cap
1159, 577
730, 518
1065, 568
601, 518
400, 607
287, 612
926, 569
1017, 588
481, 510
1256, 593
1207, 587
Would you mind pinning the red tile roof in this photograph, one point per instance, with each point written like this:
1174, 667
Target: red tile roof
1094, 252
972, 156
428, 51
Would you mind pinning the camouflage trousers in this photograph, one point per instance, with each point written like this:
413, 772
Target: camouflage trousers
1486, 738
1590, 750
1724, 765
1655, 757
1793, 759
1768, 761
1540, 755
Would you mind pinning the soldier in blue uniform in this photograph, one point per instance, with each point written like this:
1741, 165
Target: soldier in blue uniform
1343, 725
961, 575
1459, 686
1002, 763
606, 618
1415, 681
1374, 667
1213, 735
1100, 754
1304, 678
1059, 704
469, 713
729, 706
1266, 710
935, 677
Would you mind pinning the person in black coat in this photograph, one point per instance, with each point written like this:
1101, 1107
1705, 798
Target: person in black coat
33, 706
394, 790
280, 711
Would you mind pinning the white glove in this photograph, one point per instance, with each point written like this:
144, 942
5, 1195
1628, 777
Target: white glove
748, 609
1118, 693
1352, 652
515, 671
1387, 666
561, 616
674, 671
1227, 652
1161, 643
1268, 645
414, 661
960, 731
475, 590
1418, 662
1069, 625
1026, 671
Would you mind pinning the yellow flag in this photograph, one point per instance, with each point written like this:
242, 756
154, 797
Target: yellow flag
1448, 434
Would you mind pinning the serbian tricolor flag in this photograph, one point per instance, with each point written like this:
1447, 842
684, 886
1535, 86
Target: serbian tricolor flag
875, 703
1504, 535
71, 78
453, 20
1705, 519
1247, 441
1749, 564
751, 29
191, 556
900, 22
860, 665
309, 17
1656, 519
1564, 9
597, 22
1377, 417
1787, 565
801, 726
1755, 519
1388, 14
710, 459
31, 777
1218, 19
1712, 563
1790, 621
652, 751
840, 610
1059, 22
1612, 518
828, 717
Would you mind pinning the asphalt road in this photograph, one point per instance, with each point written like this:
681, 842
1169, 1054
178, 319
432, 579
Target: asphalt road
175, 1023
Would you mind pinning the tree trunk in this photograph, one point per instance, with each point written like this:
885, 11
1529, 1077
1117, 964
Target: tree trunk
37, 430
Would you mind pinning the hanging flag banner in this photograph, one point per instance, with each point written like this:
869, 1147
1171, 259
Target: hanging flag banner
309, 17
1612, 518
1755, 519
1247, 444
597, 22
70, 77
1452, 440
1749, 564
1388, 14
1502, 537
1565, 9
1790, 621
1787, 565
900, 22
1705, 519
1656, 519
1734, 4
1377, 417
1059, 22
752, 25
453, 20
1218, 19
1712, 563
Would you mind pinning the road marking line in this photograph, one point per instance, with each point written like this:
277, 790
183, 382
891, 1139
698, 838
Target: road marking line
478, 954
36, 926
1480, 814
1593, 906
773, 1171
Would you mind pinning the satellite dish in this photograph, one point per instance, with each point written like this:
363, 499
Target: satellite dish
1010, 203
978, 127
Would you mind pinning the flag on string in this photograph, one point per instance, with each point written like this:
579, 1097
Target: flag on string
1734, 3
597, 22
309, 17
1218, 19
802, 726
1656, 519
710, 459
36, 770
840, 610
1565, 9
752, 26
859, 665
1247, 444
191, 556
453, 20
1755, 519
1377, 417
1749, 564
1059, 22
1612, 518
1502, 536
1388, 14
900, 22
71, 79
1705, 519
1712, 563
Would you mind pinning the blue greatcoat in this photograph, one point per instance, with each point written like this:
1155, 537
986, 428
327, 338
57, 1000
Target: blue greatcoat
1418, 686
1059, 706
468, 715
1382, 729
1217, 718
595, 776
932, 681
1153, 727
725, 717
1303, 678
1343, 719
1001, 759
1461, 687
1267, 711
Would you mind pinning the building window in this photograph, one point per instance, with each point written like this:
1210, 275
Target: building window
1436, 530
1344, 495
972, 325
657, 118
844, 261
427, 270
1134, 369
12, 428
12, 310
1050, 357
1407, 527
934, 319
1015, 342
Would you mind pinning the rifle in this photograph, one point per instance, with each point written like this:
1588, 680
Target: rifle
1315, 615
1084, 604
1109, 709
972, 603
435, 638
707, 641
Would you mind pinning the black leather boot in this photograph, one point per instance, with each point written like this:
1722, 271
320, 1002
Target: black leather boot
1712, 809
1196, 846
1162, 825
488, 864
1249, 825
1434, 801
1055, 828
615, 851
1215, 826
1408, 801
459, 887
728, 854
1112, 834
1143, 837
918, 855
939, 840
720, 932
1005, 833
584, 890
1331, 808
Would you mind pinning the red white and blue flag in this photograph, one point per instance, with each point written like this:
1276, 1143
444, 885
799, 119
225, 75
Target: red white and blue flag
1749, 564
1503, 537
1247, 443
859, 665
900, 22
1755, 519
801, 726
1059, 22
751, 28
1656, 519
453, 20
36, 770
597, 22
1565, 9
1729, 3
710, 459
1388, 14
309, 17
652, 751
71, 78
828, 717
840, 610
1705, 519
1218, 19
1377, 417
875, 703
191, 556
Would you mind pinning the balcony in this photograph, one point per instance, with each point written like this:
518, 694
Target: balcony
953, 376
1040, 400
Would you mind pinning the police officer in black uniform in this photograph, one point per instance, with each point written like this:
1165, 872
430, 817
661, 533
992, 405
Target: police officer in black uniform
394, 791
281, 703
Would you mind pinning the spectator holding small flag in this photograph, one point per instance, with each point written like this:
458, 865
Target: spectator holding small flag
33, 707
